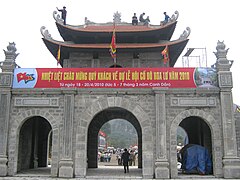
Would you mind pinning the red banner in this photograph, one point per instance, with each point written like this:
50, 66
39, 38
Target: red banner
104, 78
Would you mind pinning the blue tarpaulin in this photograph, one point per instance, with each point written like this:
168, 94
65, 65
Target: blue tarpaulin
196, 159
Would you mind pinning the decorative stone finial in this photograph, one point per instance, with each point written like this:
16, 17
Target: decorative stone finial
222, 62
11, 51
12, 47
45, 33
221, 53
117, 17
185, 33
9, 64
57, 17
174, 16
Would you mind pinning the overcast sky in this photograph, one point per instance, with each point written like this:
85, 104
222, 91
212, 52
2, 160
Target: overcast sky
209, 20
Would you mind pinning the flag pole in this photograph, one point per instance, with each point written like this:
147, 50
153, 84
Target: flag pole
115, 58
113, 48
58, 54
165, 55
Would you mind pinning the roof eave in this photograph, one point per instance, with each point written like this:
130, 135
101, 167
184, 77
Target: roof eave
175, 48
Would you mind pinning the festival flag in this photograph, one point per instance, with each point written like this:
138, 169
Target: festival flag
58, 54
113, 48
165, 55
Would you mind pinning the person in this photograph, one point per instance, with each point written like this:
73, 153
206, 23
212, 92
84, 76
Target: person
119, 155
141, 19
64, 14
102, 157
125, 159
132, 158
134, 20
105, 157
147, 20
109, 156
166, 18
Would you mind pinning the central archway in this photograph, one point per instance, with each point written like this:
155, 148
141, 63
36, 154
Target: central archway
131, 108
98, 121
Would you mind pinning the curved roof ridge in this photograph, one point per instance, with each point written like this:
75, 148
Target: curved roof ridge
119, 45
124, 27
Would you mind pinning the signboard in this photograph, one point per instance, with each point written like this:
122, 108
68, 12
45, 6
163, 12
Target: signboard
108, 78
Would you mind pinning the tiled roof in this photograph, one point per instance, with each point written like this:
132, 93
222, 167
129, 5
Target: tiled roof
127, 28
118, 28
126, 33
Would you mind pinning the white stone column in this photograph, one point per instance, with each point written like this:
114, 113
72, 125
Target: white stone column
161, 163
66, 162
231, 163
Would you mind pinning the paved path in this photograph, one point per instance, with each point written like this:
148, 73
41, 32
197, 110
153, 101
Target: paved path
105, 171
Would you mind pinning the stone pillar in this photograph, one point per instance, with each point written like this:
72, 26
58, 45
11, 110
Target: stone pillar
231, 163
66, 162
161, 164
35, 141
6, 75
4, 118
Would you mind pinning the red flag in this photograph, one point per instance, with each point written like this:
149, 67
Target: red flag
25, 77
113, 48
58, 54
165, 55
102, 133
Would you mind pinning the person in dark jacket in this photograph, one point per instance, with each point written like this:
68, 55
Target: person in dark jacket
166, 18
141, 18
64, 14
134, 20
125, 159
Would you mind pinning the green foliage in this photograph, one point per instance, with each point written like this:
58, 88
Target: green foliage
120, 133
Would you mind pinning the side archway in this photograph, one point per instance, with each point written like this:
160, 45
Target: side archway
33, 144
215, 139
18, 122
128, 106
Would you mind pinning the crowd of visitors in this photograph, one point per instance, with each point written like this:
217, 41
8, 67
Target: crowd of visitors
133, 154
104, 156
122, 157
146, 21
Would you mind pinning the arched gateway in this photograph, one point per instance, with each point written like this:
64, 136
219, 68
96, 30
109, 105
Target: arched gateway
56, 113
95, 126
31, 133
102, 111
211, 133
